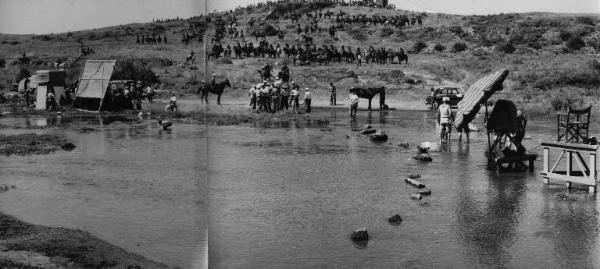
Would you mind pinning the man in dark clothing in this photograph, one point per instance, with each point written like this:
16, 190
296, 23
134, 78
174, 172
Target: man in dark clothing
332, 94
266, 72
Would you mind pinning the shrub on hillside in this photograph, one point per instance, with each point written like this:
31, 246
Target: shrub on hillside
439, 47
457, 30
135, 70
587, 20
386, 31
506, 48
419, 46
358, 33
459, 46
575, 43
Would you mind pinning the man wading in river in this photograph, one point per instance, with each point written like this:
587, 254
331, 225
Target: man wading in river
307, 100
332, 95
444, 116
353, 104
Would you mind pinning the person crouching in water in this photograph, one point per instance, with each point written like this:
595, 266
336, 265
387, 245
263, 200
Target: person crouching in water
353, 104
445, 116
307, 100
172, 106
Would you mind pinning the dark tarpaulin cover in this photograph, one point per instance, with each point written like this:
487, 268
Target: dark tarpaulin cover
503, 118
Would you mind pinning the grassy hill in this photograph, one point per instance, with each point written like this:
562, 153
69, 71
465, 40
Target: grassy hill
553, 58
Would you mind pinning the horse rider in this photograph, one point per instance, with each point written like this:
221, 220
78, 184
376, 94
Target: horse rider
266, 71
332, 94
213, 80
445, 115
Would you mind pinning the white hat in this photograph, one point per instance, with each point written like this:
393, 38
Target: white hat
446, 99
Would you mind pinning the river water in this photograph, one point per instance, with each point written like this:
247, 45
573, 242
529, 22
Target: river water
287, 195
127, 182
283, 196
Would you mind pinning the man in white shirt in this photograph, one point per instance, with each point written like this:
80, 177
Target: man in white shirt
445, 116
353, 104
307, 100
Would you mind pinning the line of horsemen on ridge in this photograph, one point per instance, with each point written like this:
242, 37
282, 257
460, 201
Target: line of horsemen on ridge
310, 53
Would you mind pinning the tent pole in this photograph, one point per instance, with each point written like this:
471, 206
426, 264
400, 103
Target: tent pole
102, 100
485, 123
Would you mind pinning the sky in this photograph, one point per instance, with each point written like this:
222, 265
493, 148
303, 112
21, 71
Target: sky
56, 16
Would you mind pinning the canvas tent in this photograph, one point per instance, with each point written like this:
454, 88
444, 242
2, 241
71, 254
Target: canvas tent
44, 81
93, 84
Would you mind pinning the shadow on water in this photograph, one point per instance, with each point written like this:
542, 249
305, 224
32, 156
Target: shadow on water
487, 226
571, 222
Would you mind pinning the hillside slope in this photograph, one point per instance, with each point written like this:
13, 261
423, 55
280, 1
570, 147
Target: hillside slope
553, 58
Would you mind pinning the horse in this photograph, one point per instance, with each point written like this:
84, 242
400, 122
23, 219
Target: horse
402, 57
216, 89
369, 93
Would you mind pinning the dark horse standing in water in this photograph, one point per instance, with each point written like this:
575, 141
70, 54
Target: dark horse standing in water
369, 93
216, 89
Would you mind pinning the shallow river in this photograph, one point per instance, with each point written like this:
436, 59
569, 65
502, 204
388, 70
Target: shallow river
127, 182
287, 197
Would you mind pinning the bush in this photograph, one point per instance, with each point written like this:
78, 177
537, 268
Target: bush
358, 33
439, 47
459, 46
386, 31
457, 30
564, 35
586, 20
575, 43
134, 70
507, 48
2, 63
419, 46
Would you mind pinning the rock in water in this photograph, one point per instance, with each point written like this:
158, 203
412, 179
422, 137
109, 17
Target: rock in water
415, 183
368, 131
68, 146
416, 196
404, 145
395, 219
360, 235
424, 192
380, 136
424, 157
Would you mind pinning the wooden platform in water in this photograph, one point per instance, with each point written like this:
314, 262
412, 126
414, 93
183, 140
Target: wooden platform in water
580, 163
